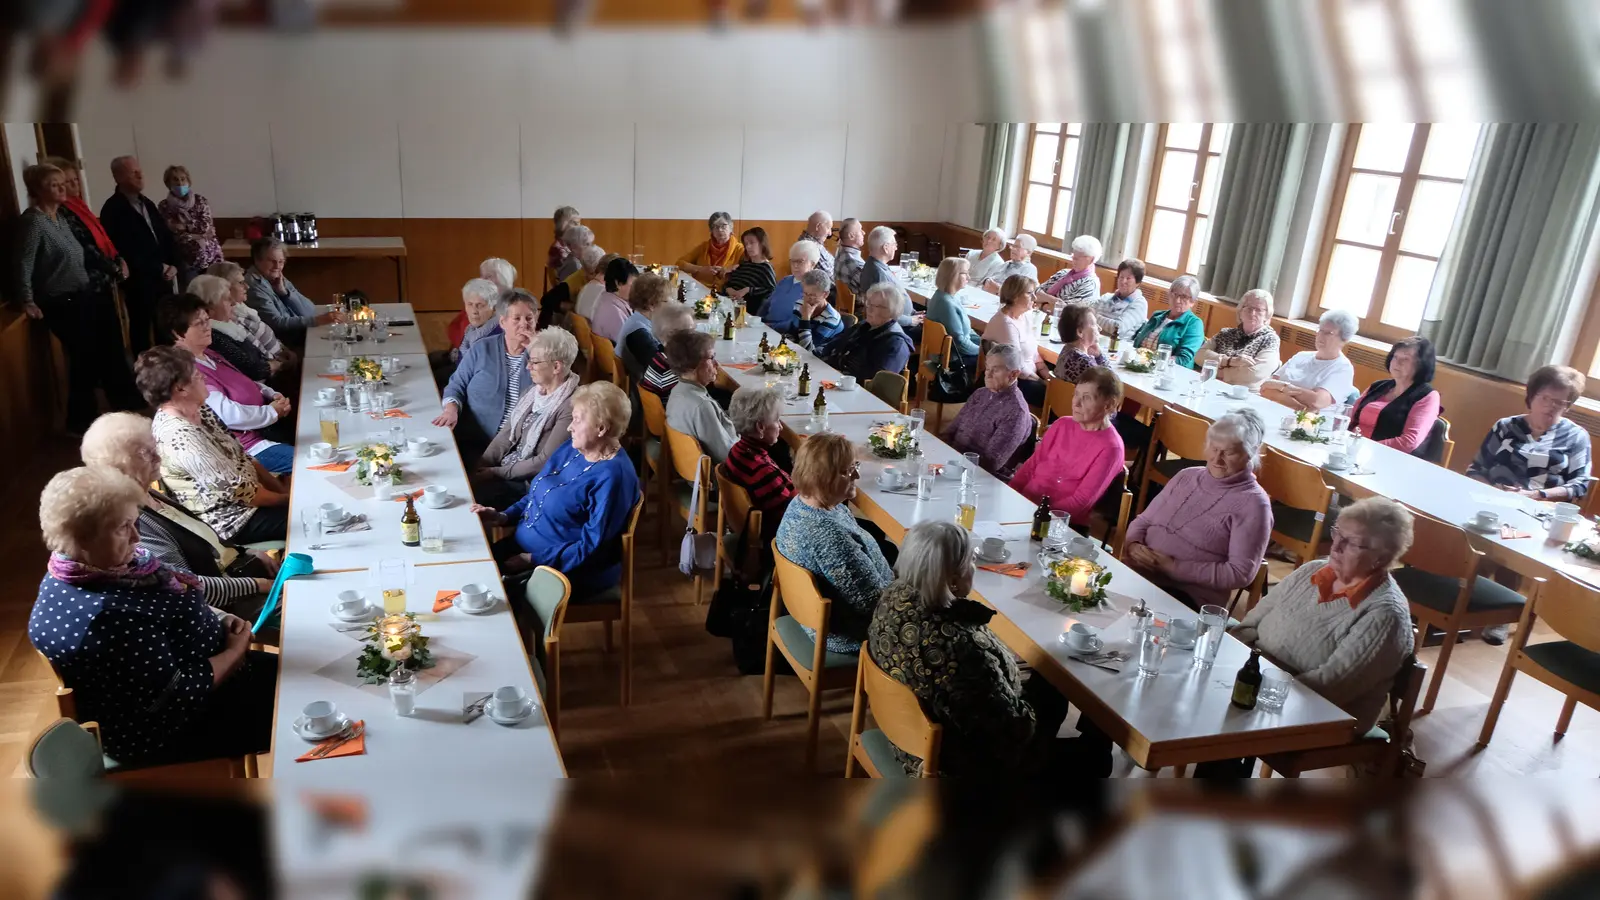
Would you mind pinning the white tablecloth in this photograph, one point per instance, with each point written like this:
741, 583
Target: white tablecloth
403, 339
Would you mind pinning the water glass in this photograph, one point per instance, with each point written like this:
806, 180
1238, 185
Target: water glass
1208, 639
311, 524
1060, 533
919, 417
1152, 649
397, 437
403, 691
970, 473
1274, 690
1208, 371
926, 473
432, 537
380, 329
1163, 357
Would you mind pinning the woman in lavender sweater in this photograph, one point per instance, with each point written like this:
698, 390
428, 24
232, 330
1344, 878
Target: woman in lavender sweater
1204, 535
995, 422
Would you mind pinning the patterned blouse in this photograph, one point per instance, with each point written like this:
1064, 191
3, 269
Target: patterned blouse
1073, 363
850, 568
206, 469
193, 230
994, 426
1512, 457
962, 674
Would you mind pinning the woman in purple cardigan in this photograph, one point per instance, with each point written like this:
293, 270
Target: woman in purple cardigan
994, 422
1204, 535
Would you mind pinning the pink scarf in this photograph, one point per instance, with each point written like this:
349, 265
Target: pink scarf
143, 571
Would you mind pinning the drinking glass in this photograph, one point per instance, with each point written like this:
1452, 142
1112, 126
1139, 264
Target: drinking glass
432, 537
967, 507
1274, 690
970, 473
380, 329
919, 417
328, 417
926, 473
1213, 625
1208, 371
1060, 532
403, 691
397, 437
1163, 357
311, 524
392, 581
1152, 649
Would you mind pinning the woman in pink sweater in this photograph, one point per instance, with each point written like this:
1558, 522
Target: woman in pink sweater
1079, 457
1400, 410
1204, 535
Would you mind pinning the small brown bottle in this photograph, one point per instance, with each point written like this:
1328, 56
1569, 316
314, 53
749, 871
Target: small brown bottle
1248, 684
411, 525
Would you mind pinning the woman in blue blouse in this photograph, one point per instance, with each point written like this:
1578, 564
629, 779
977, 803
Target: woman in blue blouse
167, 677
576, 510
1177, 327
945, 308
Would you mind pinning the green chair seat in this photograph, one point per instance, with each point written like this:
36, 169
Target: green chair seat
1438, 592
881, 751
67, 750
1172, 465
1568, 660
652, 449
1298, 523
801, 645
685, 492
611, 594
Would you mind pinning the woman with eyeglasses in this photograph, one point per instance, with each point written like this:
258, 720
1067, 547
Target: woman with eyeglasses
1540, 454
538, 424
712, 260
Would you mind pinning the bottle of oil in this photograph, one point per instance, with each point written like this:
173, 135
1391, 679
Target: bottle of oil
411, 525
1248, 684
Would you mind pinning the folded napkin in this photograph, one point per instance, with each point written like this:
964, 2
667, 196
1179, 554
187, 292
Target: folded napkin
356, 523
331, 377
354, 746
830, 385
743, 367
1508, 533
443, 600
1015, 570
401, 498
333, 466
392, 414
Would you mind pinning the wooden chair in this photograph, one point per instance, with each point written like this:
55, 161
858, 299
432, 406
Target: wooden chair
655, 457
891, 388
606, 362
849, 320
1109, 518
1252, 593
1058, 400
584, 332
615, 605
547, 593
1378, 747
1177, 442
1448, 447
736, 517
936, 348
847, 299
66, 749
1441, 582
688, 460
794, 589
1570, 664
901, 723
1300, 500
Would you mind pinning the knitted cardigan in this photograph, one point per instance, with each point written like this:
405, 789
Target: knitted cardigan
1215, 530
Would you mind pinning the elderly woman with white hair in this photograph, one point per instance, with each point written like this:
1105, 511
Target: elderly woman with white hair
1341, 626
232, 579
784, 300
168, 678
994, 422
1176, 326
1205, 533
927, 634
1124, 310
1246, 354
712, 259
877, 343
990, 257
1317, 379
690, 407
1077, 283
574, 237
248, 321
228, 337
751, 463
538, 424
475, 322
1018, 262
492, 376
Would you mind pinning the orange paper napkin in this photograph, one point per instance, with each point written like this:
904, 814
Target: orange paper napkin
392, 414
1508, 533
830, 385
356, 746
401, 498
743, 367
444, 600
334, 466
331, 377
1015, 570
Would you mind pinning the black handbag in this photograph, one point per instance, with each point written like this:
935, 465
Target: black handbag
952, 383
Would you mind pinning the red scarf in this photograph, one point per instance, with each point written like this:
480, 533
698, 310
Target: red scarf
101, 239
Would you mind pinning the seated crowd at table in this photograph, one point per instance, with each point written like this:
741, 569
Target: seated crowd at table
156, 542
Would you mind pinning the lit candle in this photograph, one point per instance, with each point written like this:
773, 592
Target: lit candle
1080, 583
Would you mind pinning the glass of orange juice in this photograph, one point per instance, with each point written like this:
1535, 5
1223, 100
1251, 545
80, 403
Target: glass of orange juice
330, 425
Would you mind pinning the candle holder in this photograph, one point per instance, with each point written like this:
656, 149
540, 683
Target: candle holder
393, 642
892, 441
376, 464
780, 359
1140, 360
365, 368
705, 306
1307, 425
1078, 583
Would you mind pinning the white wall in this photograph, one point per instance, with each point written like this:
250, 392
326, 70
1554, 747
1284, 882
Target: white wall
504, 125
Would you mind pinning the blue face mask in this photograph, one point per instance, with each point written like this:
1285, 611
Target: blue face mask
181, 191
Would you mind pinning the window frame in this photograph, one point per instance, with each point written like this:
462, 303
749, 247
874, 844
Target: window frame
1192, 214
1045, 238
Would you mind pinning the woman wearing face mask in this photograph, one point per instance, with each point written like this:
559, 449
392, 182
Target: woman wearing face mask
188, 217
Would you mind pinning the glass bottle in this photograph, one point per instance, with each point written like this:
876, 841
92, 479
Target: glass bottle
411, 524
1248, 684
805, 380
403, 690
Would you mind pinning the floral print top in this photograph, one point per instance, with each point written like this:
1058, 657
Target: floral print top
194, 231
205, 467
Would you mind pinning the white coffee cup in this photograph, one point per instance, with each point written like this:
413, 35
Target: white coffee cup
385, 399
1562, 527
994, 547
338, 366
1486, 519
320, 715
474, 596
1165, 383
383, 491
321, 450
1566, 509
1183, 630
435, 495
509, 701
327, 395
351, 602
331, 512
889, 477
420, 446
1338, 460
1081, 636
1239, 391
847, 382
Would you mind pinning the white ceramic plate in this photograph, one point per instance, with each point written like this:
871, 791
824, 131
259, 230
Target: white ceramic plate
299, 727
528, 709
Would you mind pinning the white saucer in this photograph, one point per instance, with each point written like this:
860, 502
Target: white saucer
444, 505
1096, 644
1475, 528
1005, 556
322, 460
479, 610
1333, 468
365, 614
528, 707
1188, 645
339, 521
846, 389
299, 727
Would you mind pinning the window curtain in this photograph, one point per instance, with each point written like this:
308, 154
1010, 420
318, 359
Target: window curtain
1255, 206
996, 160
1507, 295
1102, 153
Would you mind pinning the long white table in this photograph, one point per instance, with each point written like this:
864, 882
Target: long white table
402, 339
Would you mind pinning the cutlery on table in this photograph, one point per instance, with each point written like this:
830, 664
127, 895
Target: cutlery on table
475, 709
350, 733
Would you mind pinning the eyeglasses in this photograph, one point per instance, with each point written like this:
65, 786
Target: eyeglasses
1341, 540
854, 472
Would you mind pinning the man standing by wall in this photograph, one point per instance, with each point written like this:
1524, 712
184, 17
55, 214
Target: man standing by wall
136, 227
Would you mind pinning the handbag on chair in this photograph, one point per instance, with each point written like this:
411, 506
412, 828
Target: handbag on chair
698, 554
952, 383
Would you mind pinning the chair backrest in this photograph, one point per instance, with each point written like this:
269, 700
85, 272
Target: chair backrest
735, 510
1116, 504
66, 701
849, 319
1293, 483
847, 299
1180, 433
65, 749
1403, 693
547, 593
689, 460
1058, 399
584, 332
890, 387
655, 413
1567, 607
1438, 448
798, 589
899, 715
1441, 548
605, 360
936, 346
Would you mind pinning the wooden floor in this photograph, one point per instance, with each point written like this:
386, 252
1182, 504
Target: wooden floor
693, 713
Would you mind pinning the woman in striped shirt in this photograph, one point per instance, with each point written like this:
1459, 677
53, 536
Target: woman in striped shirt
668, 319
750, 462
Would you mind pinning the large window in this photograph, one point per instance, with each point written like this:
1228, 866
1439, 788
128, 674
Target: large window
1395, 202
1177, 219
1051, 172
